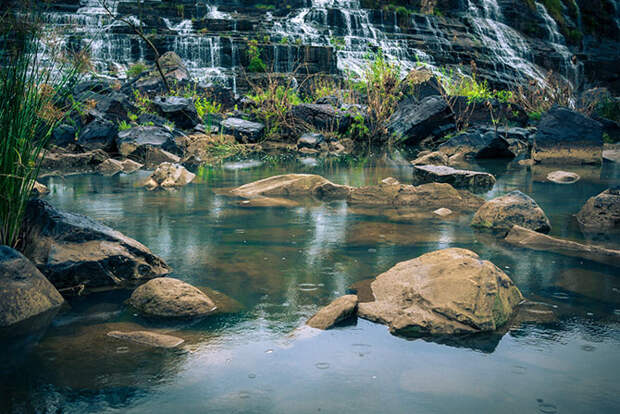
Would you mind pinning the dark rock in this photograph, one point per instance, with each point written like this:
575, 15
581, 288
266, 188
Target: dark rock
174, 70
63, 135
568, 137
132, 139
310, 140
181, 111
476, 144
72, 251
514, 208
243, 131
337, 311
471, 180
98, 134
115, 107
148, 119
413, 121
99, 86
322, 117
28, 301
478, 112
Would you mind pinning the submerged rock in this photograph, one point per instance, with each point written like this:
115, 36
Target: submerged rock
471, 180
522, 237
427, 196
514, 208
448, 291
568, 137
337, 311
166, 297
478, 144
601, 212
148, 338
310, 140
293, 185
563, 177
66, 162
169, 175
28, 301
72, 251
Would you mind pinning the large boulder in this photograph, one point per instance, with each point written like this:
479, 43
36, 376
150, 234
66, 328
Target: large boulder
522, 237
448, 291
79, 255
63, 135
113, 167
27, 299
475, 181
391, 193
293, 185
181, 111
169, 175
563, 177
568, 137
601, 212
166, 297
337, 311
322, 117
174, 70
148, 338
243, 131
514, 208
431, 158
478, 144
115, 106
310, 140
413, 121
132, 139
98, 134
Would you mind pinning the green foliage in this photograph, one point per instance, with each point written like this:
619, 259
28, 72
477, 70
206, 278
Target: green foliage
136, 69
143, 101
31, 105
170, 125
124, 125
132, 117
273, 103
609, 108
206, 107
337, 42
256, 64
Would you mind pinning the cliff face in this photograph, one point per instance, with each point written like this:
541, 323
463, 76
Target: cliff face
511, 41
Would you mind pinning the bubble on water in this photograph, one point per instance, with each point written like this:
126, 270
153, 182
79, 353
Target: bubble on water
284, 258
269, 351
322, 365
264, 258
251, 375
244, 395
588, 348
374, 377
615, 289
518, 369
617, 312
239, 231
506, 267
590, 314
122, 350
372, 250
307, 287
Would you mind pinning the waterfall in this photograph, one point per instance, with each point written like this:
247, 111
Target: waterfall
510, 50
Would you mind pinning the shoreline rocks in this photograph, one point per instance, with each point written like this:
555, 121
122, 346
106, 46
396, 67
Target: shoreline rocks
169, 175
522, 237
514, 208
28, 301
292, 185
449, 291
563, 177
79, 255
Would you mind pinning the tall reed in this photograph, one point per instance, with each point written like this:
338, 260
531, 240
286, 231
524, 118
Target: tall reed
32, 91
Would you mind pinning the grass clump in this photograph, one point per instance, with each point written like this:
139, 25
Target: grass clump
136, 69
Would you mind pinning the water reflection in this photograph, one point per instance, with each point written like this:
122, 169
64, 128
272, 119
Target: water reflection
282, 264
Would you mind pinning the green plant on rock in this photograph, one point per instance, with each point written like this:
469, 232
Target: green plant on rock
136, 69
256, 64
143, 101
124, 125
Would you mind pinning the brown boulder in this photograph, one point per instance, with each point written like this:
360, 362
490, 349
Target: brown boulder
169, 175
148, 338
563, 177
475, 181
433, 158
292, 185
514, 208
337, 311
166, 297
601, 212
448, 291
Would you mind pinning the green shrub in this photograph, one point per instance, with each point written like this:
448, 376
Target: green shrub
124, 125
136, 69
256, 64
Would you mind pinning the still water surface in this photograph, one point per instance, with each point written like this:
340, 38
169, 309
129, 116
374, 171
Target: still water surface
282, 265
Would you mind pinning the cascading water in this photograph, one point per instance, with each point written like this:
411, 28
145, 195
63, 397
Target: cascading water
511, 52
